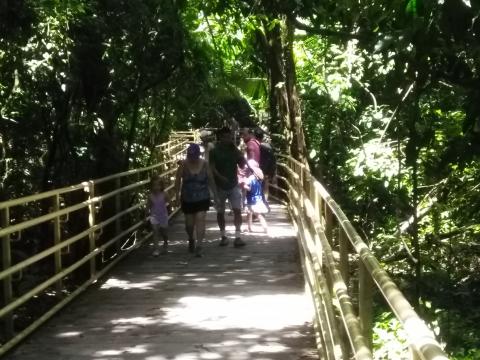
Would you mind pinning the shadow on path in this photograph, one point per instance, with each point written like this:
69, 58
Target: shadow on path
237, 304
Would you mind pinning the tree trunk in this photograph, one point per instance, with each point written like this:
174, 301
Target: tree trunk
298, 148
285, 114
279, 123
415, 240
133, 124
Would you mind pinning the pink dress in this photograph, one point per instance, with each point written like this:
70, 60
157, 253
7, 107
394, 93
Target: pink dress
158, 210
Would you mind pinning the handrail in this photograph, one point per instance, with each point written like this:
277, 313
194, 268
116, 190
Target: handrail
41, 196
122, 189
323, 231
325, 237
420, 336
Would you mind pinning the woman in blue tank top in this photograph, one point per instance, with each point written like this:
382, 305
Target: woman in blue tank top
192, 188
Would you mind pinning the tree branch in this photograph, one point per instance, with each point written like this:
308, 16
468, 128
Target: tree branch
404, 97
423, 211
460, 231
324, 32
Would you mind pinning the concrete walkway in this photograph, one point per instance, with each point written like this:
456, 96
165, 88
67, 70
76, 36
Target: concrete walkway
237, 304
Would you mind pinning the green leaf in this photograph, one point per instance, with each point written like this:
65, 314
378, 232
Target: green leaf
412, 8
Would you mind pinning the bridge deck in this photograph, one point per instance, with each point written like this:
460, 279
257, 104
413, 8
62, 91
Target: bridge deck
234, 304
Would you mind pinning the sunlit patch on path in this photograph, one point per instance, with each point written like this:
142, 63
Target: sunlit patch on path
237, 304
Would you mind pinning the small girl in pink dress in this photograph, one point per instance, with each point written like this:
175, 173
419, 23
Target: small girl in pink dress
158, 214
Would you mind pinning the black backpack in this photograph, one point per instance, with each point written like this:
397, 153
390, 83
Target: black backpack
268, 161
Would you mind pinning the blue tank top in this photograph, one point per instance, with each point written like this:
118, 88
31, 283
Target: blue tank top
254, 195
195, 186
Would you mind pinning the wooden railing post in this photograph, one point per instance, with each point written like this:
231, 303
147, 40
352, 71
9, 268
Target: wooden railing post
318, 215
57, 238
299, 170
92, 237
299, 187
118, 209
306, 180
88, 205
414, 354
328, 224
324, 314
343, 249
321, 209
322, 307
6, 263
365, 303
314, 197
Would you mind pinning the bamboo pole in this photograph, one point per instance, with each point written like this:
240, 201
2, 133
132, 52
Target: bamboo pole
317, 290
328, 224
57, 239
118, 209
365, 303
57, 216
343, 249
335, 287
6, 263
419, 336
65, 243
92, 237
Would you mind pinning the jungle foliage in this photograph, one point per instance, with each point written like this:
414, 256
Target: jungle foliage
383, 99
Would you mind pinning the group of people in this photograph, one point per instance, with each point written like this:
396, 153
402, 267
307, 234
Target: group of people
223, 173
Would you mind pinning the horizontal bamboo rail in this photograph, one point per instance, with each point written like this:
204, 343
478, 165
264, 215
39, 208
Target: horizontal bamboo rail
326, 239
342, 330
127, 185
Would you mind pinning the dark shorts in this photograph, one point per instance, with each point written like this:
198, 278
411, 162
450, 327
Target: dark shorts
194, 207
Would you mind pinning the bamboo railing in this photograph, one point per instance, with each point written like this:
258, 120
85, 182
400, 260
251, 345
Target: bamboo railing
66, 207
333, 254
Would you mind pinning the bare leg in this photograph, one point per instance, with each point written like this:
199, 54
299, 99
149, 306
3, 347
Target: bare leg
266, 187
189, 227
263, 222
249, 220
244, 195
221, 222
156, 239
200, 228
220, 206
164, 233
237, 220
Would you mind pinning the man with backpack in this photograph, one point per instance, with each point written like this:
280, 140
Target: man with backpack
224, 161
268, 161
252, 144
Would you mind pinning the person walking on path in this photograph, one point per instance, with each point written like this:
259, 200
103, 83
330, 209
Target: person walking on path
252, 145
192, 188
158, 215
207, 143
255, 200
224, 161
252, 151
268, 163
